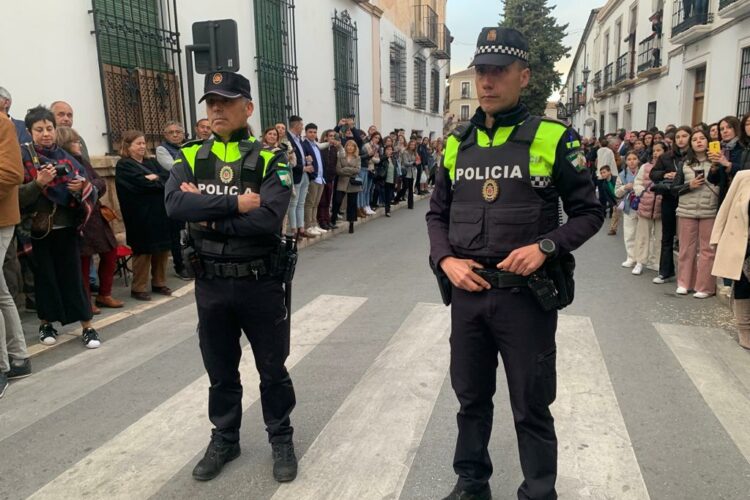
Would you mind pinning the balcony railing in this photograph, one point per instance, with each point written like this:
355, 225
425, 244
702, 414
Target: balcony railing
697, 16
597, 82
623, 67
443, 50
608, 70
425, 26
649, 53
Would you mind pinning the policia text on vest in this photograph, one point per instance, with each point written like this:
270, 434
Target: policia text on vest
233, 195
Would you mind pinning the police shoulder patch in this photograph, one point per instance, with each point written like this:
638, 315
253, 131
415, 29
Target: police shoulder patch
577, 160
284, 177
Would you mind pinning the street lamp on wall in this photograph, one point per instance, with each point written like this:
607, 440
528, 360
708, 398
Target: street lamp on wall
586, 73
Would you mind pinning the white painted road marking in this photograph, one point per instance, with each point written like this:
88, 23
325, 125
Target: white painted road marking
595, 456
367, 448
142, 458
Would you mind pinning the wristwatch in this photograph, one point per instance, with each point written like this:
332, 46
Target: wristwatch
547, 246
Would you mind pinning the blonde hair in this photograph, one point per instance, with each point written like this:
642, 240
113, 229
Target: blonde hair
353, 143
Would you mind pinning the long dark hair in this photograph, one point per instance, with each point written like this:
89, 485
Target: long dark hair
683, 128
691, 157
733, 122
744, 138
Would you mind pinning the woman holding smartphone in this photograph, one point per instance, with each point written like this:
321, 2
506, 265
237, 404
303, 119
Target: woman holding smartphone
696, 212
726, 157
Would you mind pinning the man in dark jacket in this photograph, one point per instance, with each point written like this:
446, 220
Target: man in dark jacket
330, 160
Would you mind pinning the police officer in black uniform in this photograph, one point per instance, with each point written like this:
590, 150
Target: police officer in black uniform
496, 240
233, 194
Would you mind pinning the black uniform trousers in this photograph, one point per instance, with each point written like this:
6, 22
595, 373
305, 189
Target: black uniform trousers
512, 322
226, 308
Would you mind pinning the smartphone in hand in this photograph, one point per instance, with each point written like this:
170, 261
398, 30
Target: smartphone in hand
714, 147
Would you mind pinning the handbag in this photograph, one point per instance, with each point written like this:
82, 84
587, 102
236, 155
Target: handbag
41, 223
355, 181
634, 201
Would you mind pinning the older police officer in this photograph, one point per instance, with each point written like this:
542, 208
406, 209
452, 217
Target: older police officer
234, 196
494, 232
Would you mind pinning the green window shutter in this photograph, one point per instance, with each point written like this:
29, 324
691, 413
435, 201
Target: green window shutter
276, 60
130, 35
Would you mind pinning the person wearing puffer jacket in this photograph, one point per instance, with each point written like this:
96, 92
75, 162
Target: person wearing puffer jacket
696, 212
648, 231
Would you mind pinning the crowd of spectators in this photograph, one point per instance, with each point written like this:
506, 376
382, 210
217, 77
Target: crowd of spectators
684, 190
60, 252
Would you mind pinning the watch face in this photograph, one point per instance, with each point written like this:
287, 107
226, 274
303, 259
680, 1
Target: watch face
547, 246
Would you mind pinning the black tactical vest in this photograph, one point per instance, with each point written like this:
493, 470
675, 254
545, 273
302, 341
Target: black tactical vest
216, 177
494, 207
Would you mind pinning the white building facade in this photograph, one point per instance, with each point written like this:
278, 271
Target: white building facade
648, 63
121, 64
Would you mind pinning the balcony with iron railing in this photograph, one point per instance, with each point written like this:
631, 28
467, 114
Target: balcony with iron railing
597, 82
687, 26
623, 68
608, 70
425, 30
731, 9
649, 53
443, 50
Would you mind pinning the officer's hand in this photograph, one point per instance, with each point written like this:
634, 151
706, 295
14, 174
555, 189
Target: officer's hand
462, 275
523, 261
189, 187
248, 202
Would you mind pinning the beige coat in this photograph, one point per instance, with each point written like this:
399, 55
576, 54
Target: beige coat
347, 168
730, 232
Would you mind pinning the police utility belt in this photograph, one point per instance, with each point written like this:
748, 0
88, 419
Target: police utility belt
552, 286
280, 263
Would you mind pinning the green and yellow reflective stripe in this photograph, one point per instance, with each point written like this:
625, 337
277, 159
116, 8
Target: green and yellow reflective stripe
573, 145
449, 156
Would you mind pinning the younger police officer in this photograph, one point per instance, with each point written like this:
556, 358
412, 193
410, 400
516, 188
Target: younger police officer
494, 212
234, 196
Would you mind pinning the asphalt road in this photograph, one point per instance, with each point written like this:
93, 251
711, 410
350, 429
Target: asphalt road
653, 392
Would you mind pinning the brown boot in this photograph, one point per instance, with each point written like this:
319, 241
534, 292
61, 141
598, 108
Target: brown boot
95, 310
742, 316
108, 301
361, 213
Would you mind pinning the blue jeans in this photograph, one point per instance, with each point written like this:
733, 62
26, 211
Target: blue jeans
296, 211
363, 198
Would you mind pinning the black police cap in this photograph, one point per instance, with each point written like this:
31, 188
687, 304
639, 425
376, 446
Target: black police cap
226, 84
500, 47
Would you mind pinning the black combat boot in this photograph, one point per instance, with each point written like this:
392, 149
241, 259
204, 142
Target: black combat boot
218, 453
459, 494
284, 462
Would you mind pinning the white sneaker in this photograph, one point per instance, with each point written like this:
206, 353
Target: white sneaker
681, 290
701, 295
320, 229
628, 263
369, 211
638, 269
313, 230
659, 280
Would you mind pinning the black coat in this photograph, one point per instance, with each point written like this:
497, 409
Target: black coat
142, 205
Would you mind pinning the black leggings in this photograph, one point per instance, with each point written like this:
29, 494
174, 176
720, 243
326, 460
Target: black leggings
351, 206
668, 232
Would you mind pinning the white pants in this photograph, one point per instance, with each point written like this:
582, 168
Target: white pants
629, 227
12, 341
648, 242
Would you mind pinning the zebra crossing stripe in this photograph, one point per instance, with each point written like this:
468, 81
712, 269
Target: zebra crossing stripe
142, 458
91, 370
595, 455
721, 373
367, 448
